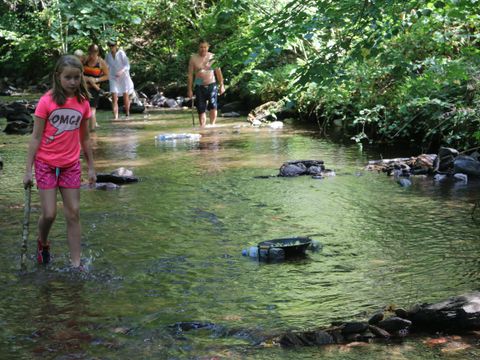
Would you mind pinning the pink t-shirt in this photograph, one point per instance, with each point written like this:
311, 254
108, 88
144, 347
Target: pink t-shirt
60, 144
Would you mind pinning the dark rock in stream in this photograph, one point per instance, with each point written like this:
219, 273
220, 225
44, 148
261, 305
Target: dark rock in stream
459, 313
307, 338
302, 167
466, 165
19, 118
289, 170
444, 161
379, 332
448, 166
354, 328
376, 318
401, 313
394, 324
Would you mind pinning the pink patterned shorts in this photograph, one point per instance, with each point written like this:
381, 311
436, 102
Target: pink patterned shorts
50, 177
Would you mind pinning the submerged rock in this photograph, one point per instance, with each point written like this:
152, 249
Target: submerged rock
191, 325
440, 177
461, 177
307, 338
404, 182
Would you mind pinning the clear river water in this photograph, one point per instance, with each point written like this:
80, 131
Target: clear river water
168, 248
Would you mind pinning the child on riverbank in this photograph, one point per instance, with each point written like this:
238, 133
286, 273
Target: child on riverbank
60, 129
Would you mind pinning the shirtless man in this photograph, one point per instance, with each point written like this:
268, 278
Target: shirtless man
203, 78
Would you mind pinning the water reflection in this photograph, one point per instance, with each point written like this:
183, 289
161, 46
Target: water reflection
59, 318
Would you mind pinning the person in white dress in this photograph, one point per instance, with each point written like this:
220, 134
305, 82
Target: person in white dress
119, 78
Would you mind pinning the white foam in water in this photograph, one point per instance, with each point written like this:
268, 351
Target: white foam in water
186, 136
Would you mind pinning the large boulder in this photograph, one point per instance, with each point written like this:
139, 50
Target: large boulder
18, 128
466, 165
19, 118
459, 313
444, 161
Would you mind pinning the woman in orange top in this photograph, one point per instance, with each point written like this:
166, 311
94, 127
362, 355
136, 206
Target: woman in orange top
95, 70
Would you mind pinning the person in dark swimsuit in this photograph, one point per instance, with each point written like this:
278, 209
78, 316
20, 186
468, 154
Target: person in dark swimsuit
95, 70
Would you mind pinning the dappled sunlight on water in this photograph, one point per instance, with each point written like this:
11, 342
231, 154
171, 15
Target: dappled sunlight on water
168, 248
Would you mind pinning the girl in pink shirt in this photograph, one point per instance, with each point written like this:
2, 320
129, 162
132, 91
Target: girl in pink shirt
60, 129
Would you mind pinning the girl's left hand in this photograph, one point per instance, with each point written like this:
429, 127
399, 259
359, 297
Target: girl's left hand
92, 176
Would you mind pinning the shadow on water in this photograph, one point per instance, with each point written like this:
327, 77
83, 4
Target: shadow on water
167, 250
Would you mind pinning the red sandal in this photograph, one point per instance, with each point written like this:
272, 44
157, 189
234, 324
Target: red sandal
43, 253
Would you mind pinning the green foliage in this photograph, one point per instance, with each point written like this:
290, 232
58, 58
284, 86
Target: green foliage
268, 85
389, 70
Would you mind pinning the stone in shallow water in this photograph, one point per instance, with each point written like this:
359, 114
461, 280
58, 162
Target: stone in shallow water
376, 318
466, 165
308, 338
379, 332
461, 313
290, 170
394, 323
354, 327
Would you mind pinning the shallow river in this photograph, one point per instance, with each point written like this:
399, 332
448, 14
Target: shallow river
168, 249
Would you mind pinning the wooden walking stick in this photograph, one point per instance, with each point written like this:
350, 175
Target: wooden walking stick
26, 223
193, 116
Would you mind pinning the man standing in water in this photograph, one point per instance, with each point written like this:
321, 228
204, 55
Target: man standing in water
203, 78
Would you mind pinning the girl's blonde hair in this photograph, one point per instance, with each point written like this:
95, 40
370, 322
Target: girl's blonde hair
58, 93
